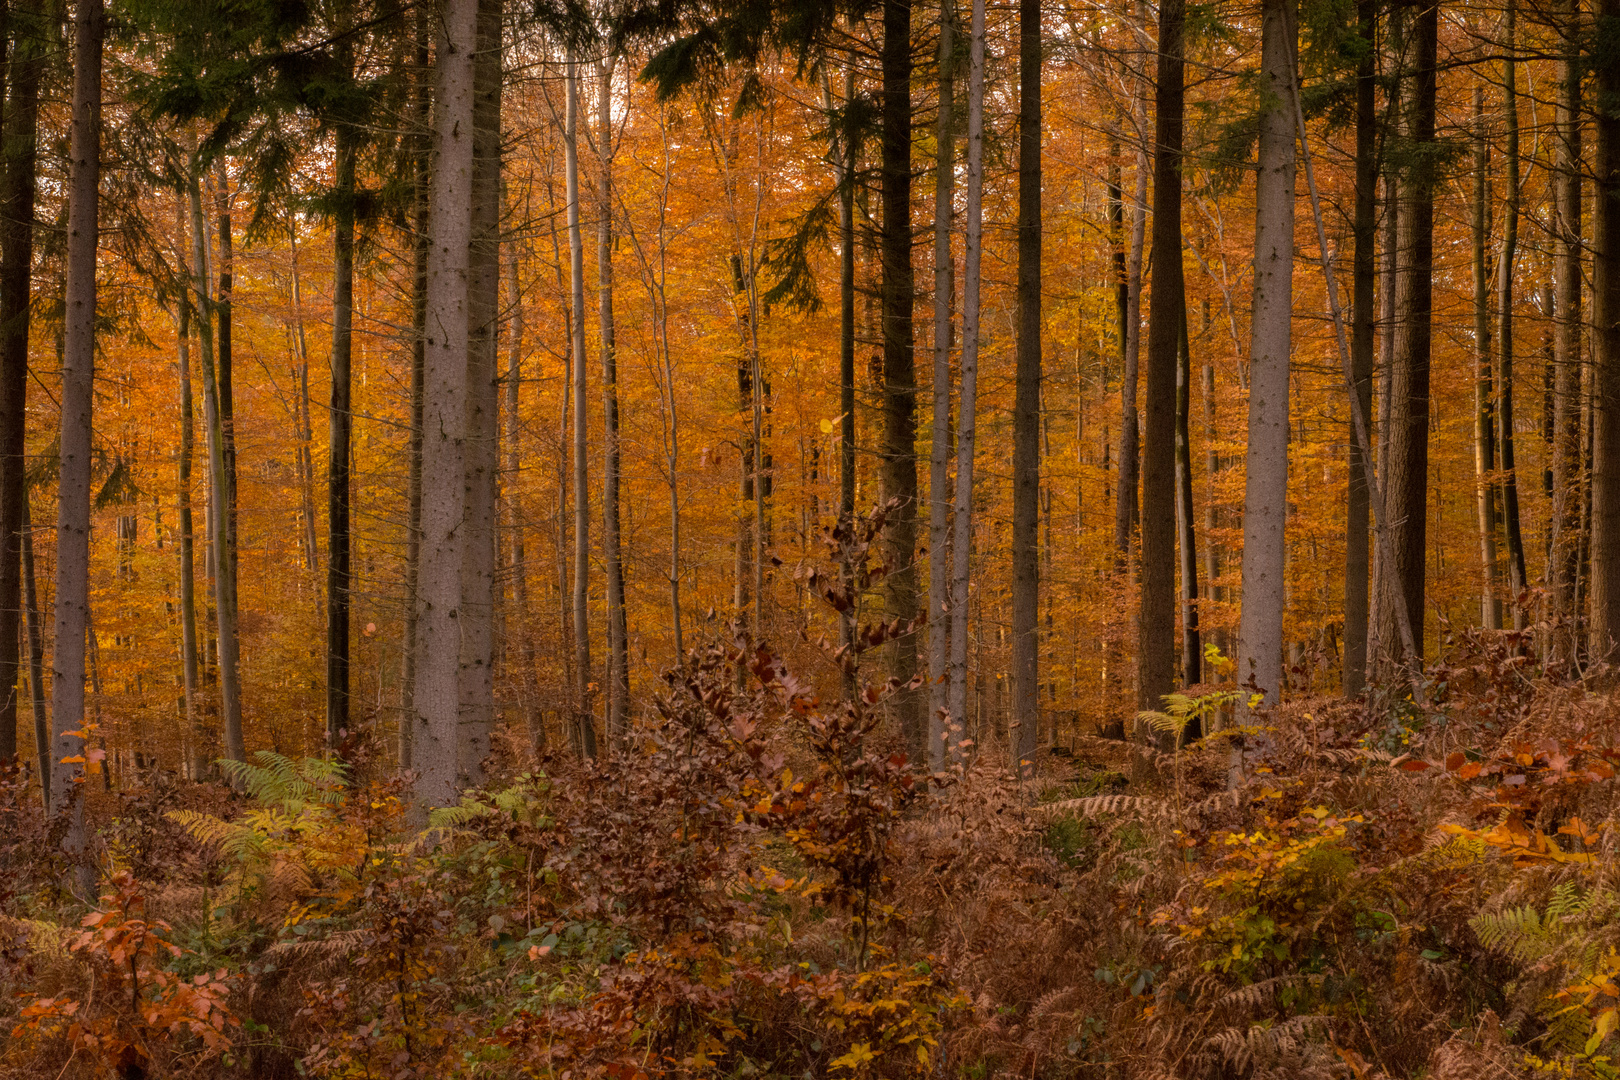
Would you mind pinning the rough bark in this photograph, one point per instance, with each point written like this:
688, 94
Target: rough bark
1026, 418
1604, 629
941, 616
421, 110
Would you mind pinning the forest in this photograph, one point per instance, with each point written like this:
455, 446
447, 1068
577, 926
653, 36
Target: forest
850, 539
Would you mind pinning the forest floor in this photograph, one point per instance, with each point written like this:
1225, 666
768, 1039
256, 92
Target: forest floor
760, 887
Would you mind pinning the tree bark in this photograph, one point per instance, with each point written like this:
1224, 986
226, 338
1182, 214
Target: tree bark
846, 350
584, 724
1155, 660
1605, 458
340, 427
1485, 490
967, 408
1567, 361
942, 617
306, 434
36, 656
534, 719
618, 674
1357, 553
898, 452
1192, 656
1504, 336
421, 151
445, 370
68, 743
1265, 502
1026, 464
196, 750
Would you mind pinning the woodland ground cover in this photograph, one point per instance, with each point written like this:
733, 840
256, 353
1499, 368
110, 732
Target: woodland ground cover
762, 885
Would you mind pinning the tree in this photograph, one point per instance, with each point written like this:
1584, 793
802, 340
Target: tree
1568, 433
943, 619
618, 673
1358, 503
1026, 462
1604, 630
584, 739
1504, 303
1484, 397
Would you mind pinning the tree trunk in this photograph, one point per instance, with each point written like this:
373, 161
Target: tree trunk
941, 615
1192, 656
230, 693
1265, 499
1357, 560
421, 110
445, 370
967, 408
1605, 499
846, 351
534, 719
196, 748
618, 674
68, 743
36, 655
482, 452
1407, 499
1155, 660
1567, 432
226, 359
340, 419
584, 724
1504, 335
306, 435
1485, 490
16, 277
898, 452
1026, 463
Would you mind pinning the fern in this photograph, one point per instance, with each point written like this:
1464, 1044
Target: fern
290, 784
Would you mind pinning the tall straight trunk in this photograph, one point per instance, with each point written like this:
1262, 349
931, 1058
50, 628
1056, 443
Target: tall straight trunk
672, 404
1124, 507
340, 428
1485, 491
78, 392
306, 434
1213, 561
1396, 100
618, 673
1265, 499
1408, 475
421, 149
1567, 432
967, 407
1357, 552
898, 452
36, 655
482, 453
196, 748
584, 724
1605, 498
846, 348
444, 421
1026, 457
1192, 656
1155, 659
941, 617
1504, 304
226, 360
520, 621
19, 154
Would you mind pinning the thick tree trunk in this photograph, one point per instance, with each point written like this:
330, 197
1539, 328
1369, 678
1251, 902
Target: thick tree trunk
618, 673
1357, 560
1504, 334
340, 427
1406, 503
899, 448
445, 369
482, 460
78, 393
1605, 498
1155, 660
942, 618
584, 724
1265, 502
16, 278
967, 408
1567, 433
1026, 463
1485, 490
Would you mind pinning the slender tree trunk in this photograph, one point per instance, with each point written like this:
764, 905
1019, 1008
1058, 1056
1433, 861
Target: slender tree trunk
306, 435
230, 694
1155, 660
1125, 504
197, 747
1213, 561
340, 418
421, 110
618, 698
1192, 655
1357, 553
482, 453
68, 743
1605, 499
36, 655
534, 719
846, 352
898, 452
226, 358
1407, 499
941, 615
445, 371
1567, 428
673, 462
21, 124
1504, 302
1485, 490
967, 408
1265, 503
584, 723
1026, 463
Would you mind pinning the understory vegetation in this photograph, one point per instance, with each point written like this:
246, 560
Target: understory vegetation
761, 885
